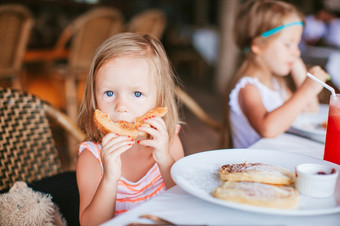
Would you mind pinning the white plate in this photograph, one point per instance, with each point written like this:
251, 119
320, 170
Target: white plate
198, 174
310, 125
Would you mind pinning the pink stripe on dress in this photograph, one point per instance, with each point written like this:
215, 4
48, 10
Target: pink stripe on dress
131, 194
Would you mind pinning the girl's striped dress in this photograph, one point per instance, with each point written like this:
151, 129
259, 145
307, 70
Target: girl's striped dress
131, 194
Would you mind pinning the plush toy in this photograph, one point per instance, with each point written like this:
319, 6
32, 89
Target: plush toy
23, 206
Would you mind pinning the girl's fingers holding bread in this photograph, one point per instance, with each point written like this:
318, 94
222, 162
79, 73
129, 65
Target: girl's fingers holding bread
108, 137
115, 138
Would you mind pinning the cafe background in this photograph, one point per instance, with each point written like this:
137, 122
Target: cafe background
197, 38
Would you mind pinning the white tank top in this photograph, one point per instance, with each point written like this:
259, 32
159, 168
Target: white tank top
243, 134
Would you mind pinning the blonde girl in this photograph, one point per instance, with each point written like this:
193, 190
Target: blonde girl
130, 74
261, 104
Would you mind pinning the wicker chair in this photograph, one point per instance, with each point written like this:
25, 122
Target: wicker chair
16, 23
196, 109
27, 147
82, 37
28, 150
151, 21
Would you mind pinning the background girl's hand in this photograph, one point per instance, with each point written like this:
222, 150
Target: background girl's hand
112, 147
318, 72
159, 140
298, 72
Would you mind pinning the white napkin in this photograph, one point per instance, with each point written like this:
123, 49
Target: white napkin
206, 42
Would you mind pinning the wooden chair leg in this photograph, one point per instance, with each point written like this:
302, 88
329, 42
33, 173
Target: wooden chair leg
72, 144
71, 98
189, 102
16, 82
72, 112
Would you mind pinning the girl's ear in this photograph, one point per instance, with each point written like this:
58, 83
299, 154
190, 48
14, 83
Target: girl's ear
256, 46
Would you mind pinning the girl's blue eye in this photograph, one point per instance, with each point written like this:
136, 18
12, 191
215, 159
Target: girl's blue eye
137, 94
109, 93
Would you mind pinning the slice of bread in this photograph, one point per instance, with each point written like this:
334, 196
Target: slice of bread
105, 125
158, 112
258, 194
257, 172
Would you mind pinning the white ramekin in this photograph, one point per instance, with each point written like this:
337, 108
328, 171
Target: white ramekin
315, 180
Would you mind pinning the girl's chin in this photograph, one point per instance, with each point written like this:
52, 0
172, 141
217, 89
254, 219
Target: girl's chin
281, 74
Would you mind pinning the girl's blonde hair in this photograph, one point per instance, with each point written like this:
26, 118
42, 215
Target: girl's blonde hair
135, 45
254, 18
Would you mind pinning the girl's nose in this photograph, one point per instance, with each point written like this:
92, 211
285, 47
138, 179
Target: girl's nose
121, 105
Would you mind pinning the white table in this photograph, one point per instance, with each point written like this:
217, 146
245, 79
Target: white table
182, 208
292, 143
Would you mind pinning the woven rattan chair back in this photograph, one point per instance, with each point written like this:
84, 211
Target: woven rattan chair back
16, 23
84, 35
91, 30
27, 147
152, 22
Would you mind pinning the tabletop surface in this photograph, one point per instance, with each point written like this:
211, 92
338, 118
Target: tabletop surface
180, 207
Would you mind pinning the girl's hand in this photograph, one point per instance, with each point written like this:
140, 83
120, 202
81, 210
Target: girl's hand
112, 147
318, 72
298, 72
159, 139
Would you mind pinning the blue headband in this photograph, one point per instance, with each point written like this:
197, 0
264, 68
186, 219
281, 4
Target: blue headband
274, 31
279, 28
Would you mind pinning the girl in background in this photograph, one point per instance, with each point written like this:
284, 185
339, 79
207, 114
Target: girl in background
130, 75
261, 104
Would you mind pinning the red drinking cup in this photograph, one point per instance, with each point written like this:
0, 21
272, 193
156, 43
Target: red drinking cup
332, 145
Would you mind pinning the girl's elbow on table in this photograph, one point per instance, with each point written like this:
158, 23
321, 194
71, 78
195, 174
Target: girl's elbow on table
270, 132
